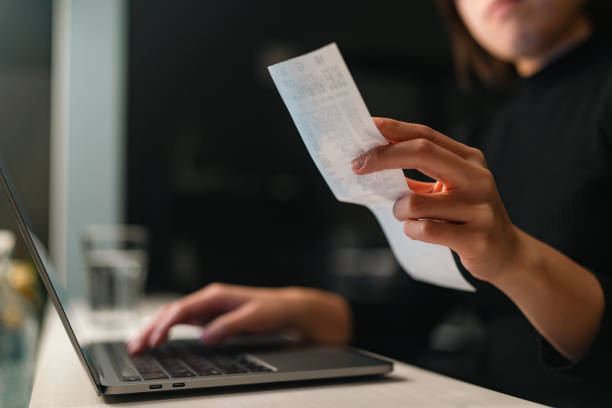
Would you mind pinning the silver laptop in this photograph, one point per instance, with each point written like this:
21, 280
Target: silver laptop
186, 364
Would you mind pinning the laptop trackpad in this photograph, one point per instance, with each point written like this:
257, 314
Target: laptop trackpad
314, 358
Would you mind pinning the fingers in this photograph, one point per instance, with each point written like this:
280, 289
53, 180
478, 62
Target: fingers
138, 344
440, 207
434, 232
157, 330
199, 306
177, 313
423, 187
420, 154
396, 131
243, 319
420, 186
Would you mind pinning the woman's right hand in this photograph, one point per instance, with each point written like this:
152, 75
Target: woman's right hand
224, 310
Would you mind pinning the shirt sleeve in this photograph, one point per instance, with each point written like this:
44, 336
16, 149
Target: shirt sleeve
596, 362
605, 117
399, 322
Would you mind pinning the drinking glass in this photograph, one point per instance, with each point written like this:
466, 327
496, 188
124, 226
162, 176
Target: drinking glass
116, 260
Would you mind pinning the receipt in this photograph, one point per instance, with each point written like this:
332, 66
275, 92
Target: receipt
336, 127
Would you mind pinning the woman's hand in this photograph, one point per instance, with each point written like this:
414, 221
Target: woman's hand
225, 310
462, 210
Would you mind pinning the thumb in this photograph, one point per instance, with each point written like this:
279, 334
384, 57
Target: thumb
371, 161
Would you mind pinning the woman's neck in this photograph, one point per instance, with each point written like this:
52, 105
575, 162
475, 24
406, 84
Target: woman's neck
527, 66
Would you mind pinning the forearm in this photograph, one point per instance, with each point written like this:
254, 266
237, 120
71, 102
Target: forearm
463, 210
561, 299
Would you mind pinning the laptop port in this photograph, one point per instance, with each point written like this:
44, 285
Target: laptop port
176, 385
155, 386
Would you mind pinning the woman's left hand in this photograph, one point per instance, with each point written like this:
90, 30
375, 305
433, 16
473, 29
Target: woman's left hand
461, 210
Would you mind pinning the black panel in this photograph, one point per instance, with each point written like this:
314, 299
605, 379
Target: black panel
216, 168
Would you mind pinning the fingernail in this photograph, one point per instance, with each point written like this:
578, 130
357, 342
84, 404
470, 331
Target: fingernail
377, 121
357, 163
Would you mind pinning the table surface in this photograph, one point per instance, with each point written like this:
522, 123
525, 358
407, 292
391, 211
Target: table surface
60, 381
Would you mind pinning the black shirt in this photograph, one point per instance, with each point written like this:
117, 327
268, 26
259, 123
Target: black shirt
550, 150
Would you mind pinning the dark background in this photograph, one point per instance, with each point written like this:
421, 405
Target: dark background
216, 168
219, 175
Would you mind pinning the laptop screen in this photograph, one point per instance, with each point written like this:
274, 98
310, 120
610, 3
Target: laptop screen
45, 270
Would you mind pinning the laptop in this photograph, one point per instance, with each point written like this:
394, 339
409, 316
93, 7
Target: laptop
186, 364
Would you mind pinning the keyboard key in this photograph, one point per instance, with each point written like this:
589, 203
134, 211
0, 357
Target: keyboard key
131, 378
182, 374
154, 376
120, 362
169, 361
174, 366
210, 371
127, 374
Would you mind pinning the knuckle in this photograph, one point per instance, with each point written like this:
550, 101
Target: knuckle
423, 146
416, 205
426, 131
214, 287
487, 217
175, 308
487, 181
478, 156
488, 176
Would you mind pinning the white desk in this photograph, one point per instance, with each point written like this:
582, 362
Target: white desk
60, 381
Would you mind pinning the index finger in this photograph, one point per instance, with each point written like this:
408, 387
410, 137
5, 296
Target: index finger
197, 306
430, 159
157, 329
397, 131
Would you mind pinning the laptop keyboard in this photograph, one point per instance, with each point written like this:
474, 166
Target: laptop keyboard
182, 362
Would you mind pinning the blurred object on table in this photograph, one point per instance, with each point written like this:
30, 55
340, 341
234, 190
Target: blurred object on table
116, 258
18, 327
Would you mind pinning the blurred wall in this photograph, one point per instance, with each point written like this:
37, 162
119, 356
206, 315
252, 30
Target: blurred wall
87, 126
25, 49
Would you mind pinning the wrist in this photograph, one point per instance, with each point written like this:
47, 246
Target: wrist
522, 263
319, 316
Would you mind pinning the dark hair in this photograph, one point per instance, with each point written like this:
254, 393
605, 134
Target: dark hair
474, 62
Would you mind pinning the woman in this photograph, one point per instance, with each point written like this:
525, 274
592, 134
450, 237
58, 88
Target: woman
528, 223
